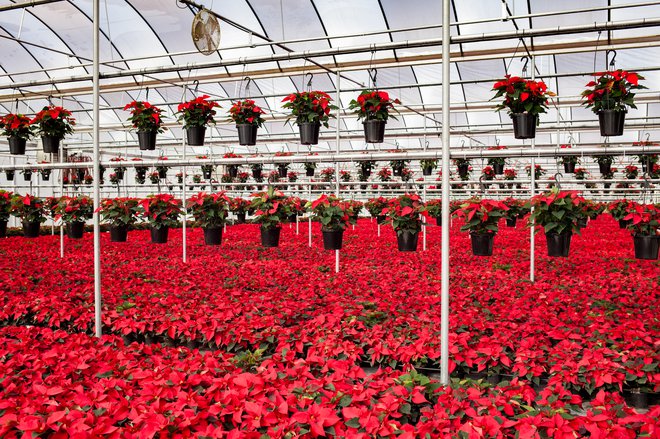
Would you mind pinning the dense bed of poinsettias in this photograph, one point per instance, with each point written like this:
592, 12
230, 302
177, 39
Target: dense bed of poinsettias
282, 338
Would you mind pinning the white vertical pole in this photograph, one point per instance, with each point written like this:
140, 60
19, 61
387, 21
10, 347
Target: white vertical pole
309, 221
444, 270
337, 163
61, 193
424, 195
532, 190
184, 240
97, 173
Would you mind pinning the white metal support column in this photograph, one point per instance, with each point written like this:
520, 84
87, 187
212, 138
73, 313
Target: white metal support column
337, 163
532, 172
97, 173
444, 267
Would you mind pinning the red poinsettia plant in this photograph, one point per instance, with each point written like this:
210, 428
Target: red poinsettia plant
28, 208
404, 213
510, 174
373, 105
198, 112
145, 117
557, 211
5, 205
612, 91
161, 210
16, 125
645, 219
53, 121
330, 212
309, 107
246, 112
482, 216
74, 209
239, 205
270, 208
119, 212
521, 95
375, 206
209, 210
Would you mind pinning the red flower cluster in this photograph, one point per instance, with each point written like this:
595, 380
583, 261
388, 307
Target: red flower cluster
16, 125
309, 107
144, 116
198, 112
373, 105
612, 91
246, 112
522, 95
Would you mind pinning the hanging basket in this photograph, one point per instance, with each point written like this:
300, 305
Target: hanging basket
407, 241
498, 168
282, 170
646, 247
162, 173
27, 176
309, 133
332, 239
611, 122
118, 233
482, 243
232, 170
558, 244
17, 145
31, 230
605, 168
247, 134
524, 125
50, 144
397, 171
10, 175
159, 236
75, 229
427, 170
147, 140
207, 173
309, 172
256, 173
374, 131
240, 218
212, 235
463, 170
270, 237
195, 135
569, 167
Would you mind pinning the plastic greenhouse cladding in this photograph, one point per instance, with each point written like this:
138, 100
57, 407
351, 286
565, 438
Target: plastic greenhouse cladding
345, 219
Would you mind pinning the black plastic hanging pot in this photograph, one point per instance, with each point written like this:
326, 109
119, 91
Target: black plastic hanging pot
282, 170
159, 236
256, 172
75, 229
240, 218
206, 173
118, 173
463, 170
558, 244
427, 170
291, 218
17, 145
50, 144
438, 221
524, 125
147, 140
162, 173
407, 241
3, 229
646, 246
195, 135
397, 171
212, 235
380, 219
10, 175
511, 222
569, 167
141, 173
232, 170
31, 229
247, 134
482, 243
611, 122
45, 175
270, 237
332, 239
623, 224
81, 174
118, 233
310, 172
366, 171
605, 167
27, 176
309, 133
498, 168
374, 131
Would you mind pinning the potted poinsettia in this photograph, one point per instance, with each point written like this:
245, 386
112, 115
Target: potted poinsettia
609, 96
210, 213
481, 220
366, 166
247, 116
9, 173
239, 207
524, 101
53, 123
463, 167
147, 119
5, 211
645, 228
270, 211
162, 169
30, 210
283, 168
154, 177
510, 174
487, 173
538, 171
328, 174
118, 168
497, 162
373, 107
428, 166
434, 209
295, 207
310, 109
404, 214
120, 214
516, 210
310, 167
334, 218
558, 212
375, 207
162, 211
74, 211
232, 170
196, 115
140, 171
18, 128
569, 161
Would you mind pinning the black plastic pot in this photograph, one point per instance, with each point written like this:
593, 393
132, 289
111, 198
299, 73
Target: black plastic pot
569, 167
3, 229
247, 134
75, 229
309, 133
17, 145
511, 222
438, 221
213, 235
605, 168
611, 122
283, 170
207, 173
407, 241
309, 172
240, 218
232, 170
397, 171
374, 131
162, 173
10, 175
270, 237
332, 239
482, 243
498, 168
45, 175
118, 233
623, 224
463, 170
256, 173
159, 236
147, 140
366, 171
81, 175
427, 170
292, 218
195, 136
27, 176
646, 246
50, 144
380, 219
31, 230
524, 125
141, 173
559, 244
119, 174
636, 399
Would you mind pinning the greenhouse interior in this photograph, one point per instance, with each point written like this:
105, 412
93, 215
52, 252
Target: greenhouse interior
359, 219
